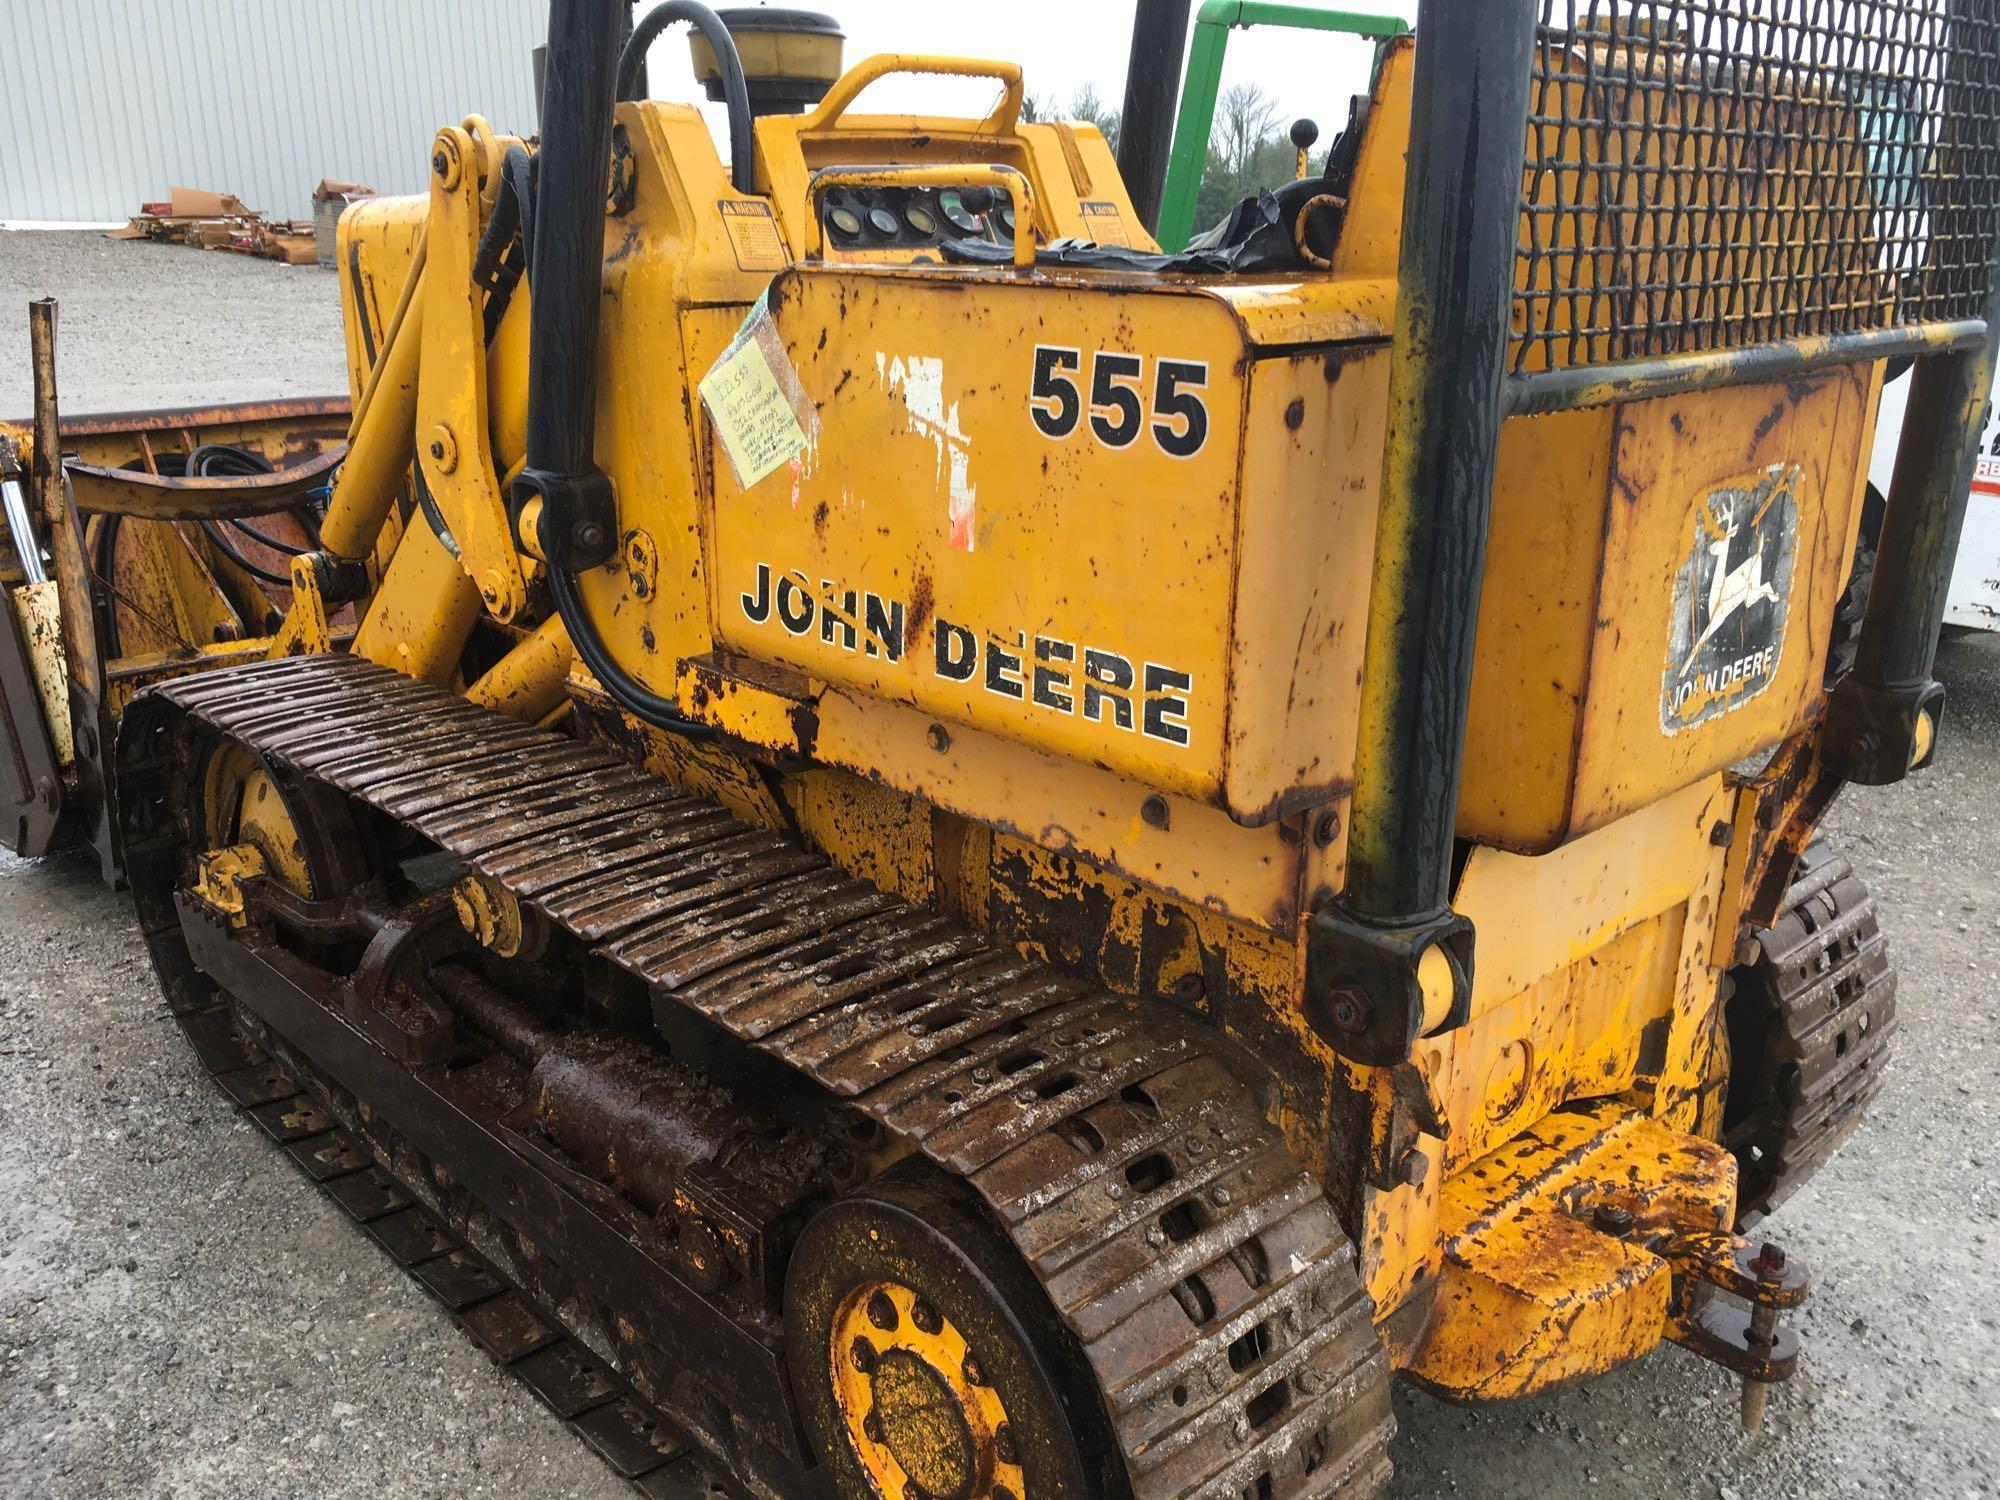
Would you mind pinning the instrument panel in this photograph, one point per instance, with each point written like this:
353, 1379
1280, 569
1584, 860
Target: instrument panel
913, 218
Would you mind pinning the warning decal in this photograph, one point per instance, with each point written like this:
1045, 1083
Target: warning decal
1731, 598
753, 235
1105, 224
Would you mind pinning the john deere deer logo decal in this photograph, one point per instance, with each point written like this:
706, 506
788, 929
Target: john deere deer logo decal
1731, 597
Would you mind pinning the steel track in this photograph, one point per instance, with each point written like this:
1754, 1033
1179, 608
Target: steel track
1199, 1268
284, 1099
1826, 1001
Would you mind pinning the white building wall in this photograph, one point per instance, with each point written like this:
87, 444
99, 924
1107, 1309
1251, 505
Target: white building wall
105, 104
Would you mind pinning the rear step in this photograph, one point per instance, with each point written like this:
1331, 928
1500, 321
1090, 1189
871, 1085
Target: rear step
974, 1057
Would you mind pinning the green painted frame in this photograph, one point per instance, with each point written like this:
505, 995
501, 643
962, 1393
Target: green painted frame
1204, 81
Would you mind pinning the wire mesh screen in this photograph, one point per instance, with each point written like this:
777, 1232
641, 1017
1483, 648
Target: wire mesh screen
1711, 174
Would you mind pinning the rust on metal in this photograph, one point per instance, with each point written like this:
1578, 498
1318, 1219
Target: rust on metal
1810, 1030
174, 419
1133, 1171
105, 491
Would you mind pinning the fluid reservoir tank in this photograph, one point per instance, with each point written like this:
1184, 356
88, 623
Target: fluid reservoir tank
790, 57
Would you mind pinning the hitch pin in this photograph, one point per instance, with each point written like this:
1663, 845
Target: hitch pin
1770, 1268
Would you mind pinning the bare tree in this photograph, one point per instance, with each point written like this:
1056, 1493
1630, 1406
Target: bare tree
1246, 118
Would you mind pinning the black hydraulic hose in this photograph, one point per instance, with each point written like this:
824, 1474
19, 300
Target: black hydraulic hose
214, 459
427, 503
276, 544
568, 247
215, 539
735, 91
567, 261
510, 230
632, 695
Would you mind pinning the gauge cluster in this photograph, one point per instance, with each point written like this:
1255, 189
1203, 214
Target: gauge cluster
899, 218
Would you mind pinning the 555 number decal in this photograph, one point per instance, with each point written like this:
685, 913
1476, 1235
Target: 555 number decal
1116, 398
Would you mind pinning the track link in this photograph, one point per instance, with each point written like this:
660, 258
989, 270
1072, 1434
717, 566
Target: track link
1816, 1014
1199, 1267
282, 1098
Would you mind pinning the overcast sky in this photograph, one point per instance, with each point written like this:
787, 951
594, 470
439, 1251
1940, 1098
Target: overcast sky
1061, 45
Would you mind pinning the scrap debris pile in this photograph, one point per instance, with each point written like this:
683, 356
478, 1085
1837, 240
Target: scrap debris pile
220, 221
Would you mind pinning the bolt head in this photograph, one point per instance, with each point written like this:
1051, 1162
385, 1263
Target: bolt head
1412, 1167
1612, 1219
1349, 1010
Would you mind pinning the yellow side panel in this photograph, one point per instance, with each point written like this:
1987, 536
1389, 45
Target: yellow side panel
934, 546
374, 247
1306, 551
1658, 598
1537, 915
1543, 558
1674, 458
1371, 238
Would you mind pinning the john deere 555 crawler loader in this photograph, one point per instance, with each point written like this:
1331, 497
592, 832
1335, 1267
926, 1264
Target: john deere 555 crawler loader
958, 859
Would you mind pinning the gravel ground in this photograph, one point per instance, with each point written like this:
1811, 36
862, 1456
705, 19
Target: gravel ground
181, 1314
147, 325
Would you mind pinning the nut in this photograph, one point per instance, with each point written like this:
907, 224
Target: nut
1412, 1167
1612, 1218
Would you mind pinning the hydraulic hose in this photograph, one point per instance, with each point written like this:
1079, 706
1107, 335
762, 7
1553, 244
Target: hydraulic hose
632, 695
509, 235
212, 459
735, 90
560, 471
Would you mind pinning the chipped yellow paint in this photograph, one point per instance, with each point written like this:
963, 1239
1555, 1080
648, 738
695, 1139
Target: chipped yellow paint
1532, 1296
922, 1416
453, 437
421, 616
304, 631
39, 613
219, 875
1594, 514
1605, 881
